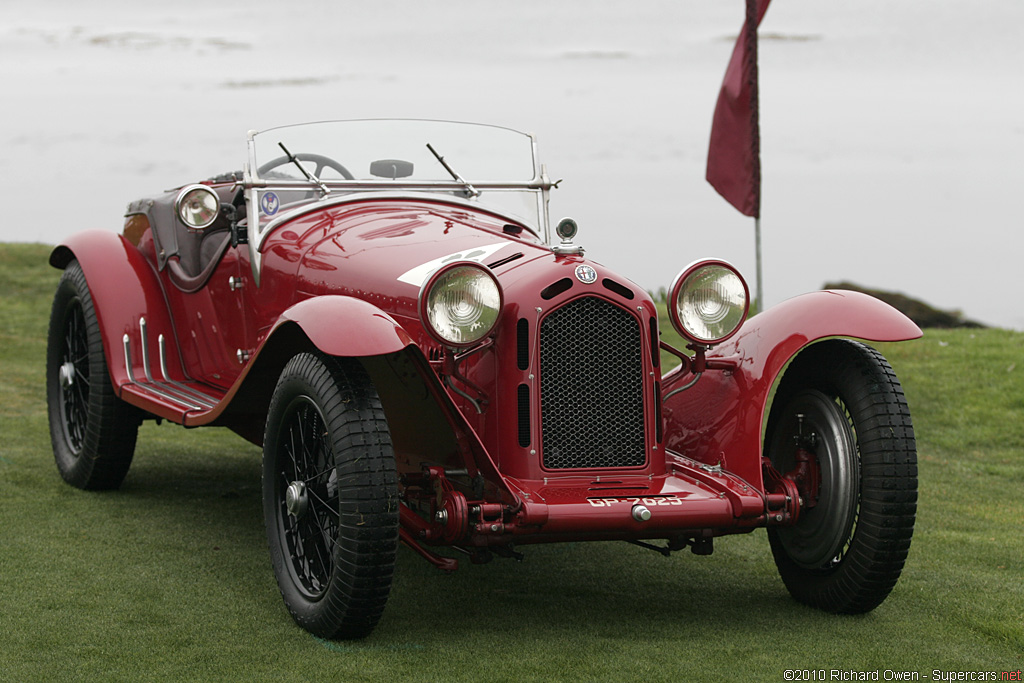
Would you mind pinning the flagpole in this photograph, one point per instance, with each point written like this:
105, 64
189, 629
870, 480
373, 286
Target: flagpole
751, 23
758, 302
734, 152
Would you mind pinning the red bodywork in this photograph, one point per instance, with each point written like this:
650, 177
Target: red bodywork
470, 449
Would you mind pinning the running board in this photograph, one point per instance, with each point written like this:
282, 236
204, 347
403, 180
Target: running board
183, 397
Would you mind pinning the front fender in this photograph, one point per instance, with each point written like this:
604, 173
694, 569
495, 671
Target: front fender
719, 419
344, 326
425, 424
124, 289
334, 325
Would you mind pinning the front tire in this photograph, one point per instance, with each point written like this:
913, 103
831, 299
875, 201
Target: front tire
330, 496
841, 401
93, 432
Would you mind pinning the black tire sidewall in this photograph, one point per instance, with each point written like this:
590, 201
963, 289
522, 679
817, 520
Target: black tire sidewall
869, 568
68, 461
111, 426
289, 388
338, 611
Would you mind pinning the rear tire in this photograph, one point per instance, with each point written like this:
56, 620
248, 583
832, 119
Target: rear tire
845, 554
93, 432
330, 496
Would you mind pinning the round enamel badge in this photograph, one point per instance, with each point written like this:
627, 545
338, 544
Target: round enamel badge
270, 203
586, 274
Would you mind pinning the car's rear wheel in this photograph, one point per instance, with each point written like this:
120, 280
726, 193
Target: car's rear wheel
93, 432
330, 496
841, 402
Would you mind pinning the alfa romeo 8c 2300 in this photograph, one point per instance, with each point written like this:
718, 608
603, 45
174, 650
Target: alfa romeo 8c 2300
385, 308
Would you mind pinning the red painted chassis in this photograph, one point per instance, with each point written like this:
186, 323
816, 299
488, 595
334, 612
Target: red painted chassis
719, 483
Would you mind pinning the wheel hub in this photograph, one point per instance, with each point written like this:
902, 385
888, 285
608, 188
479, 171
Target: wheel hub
829, 472
296, 499
67, 375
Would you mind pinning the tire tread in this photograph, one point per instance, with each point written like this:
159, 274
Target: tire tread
888, 469
112, 425
366, 550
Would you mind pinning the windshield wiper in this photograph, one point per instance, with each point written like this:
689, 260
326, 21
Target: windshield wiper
309, 176
470, 190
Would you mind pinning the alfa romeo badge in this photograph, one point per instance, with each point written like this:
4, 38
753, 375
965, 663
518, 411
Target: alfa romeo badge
586, 274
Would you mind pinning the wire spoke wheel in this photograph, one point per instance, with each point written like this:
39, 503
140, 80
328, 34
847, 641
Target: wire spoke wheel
308, 508
330, 496
841, 401
74, 376
92, 431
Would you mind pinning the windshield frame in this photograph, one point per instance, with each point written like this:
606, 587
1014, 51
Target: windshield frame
340, 191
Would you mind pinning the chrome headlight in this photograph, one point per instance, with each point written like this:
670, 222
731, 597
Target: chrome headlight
708, 302
197, 206
459, 304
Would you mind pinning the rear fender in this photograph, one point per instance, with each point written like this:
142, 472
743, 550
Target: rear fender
719, 419
124, 289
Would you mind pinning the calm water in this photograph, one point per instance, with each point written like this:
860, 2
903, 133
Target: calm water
892, 135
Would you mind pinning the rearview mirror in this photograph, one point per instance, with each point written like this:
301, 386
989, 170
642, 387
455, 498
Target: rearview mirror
391, 168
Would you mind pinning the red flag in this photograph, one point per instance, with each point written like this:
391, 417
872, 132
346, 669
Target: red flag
734, 156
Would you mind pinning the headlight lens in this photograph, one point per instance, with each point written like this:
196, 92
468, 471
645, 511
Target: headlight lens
197, 206
460, 304
709, 302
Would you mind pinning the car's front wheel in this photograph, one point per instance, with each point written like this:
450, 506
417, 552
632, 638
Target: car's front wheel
330, 496
840, 402
93, 432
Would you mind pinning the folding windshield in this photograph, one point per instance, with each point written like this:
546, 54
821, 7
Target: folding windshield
476, 152
293, 169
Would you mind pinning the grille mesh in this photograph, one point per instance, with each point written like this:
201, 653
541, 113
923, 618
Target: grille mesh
591, 387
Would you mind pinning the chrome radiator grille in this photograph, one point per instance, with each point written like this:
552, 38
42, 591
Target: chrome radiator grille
591, 387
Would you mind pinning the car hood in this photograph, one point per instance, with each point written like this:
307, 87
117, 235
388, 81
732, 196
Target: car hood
383, 251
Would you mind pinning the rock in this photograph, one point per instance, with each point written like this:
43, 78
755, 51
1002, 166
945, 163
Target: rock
918, 311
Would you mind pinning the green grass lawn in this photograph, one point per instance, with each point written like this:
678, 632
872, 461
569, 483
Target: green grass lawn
169, 578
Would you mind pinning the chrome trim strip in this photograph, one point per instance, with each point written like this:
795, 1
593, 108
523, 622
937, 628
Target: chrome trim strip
145, 352
128, 357
148, 386
424, 185
254, 235
169, 386
154, 389
194, 394
170, 397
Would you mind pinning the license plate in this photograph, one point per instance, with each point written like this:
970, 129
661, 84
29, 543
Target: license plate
650, 501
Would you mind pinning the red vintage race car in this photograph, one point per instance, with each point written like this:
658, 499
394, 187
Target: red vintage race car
382, 306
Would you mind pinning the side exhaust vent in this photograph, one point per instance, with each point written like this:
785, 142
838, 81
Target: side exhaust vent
657, 412
621, 290
523, 344
524, 415
655, 343
553, 290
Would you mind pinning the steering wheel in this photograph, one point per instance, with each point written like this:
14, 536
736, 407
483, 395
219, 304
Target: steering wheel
320, 160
